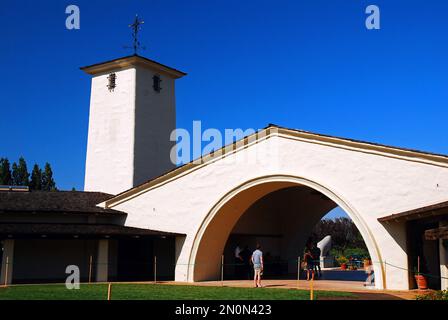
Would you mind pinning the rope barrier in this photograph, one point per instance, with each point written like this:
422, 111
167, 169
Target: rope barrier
92, 266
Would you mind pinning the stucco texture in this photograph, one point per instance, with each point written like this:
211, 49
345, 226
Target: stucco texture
206, 201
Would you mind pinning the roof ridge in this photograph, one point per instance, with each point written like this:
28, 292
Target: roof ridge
268, 133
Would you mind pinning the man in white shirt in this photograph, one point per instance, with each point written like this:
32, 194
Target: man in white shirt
257, 260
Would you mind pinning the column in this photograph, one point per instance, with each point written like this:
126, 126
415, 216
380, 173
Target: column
102, 260
443, 254
8, 254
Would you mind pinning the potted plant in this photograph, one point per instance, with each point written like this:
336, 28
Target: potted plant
422, 283
342, 260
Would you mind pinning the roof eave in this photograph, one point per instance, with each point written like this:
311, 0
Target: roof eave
271, 130
129, 61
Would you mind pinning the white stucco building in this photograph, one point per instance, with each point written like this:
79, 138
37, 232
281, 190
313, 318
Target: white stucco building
272, 186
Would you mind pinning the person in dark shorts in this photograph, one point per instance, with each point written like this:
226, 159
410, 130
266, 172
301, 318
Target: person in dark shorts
309, 264
257, 261
315, 252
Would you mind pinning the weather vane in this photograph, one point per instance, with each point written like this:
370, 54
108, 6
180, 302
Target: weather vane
135, 29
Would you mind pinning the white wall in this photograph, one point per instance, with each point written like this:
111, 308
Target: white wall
129, 130
366, 185
155, 118
110, 146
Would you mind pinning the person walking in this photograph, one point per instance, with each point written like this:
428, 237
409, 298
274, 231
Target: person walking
257, 261
315, 252
370, 281
309, 262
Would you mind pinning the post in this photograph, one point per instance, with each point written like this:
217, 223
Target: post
222, 270
7, 265
312, 286
298, 272
6, 273
418, 265
109, 291
90, 268
155, 269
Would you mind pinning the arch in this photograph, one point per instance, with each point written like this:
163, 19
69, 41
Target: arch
215, 228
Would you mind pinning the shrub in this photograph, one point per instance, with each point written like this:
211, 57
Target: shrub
341, 259
357, 252
434, 295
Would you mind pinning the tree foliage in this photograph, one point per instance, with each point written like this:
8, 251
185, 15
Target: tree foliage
19, 175
36, 178
48, 183
5, 172
344, 234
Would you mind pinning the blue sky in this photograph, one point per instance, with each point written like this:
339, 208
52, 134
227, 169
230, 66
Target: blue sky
309, 64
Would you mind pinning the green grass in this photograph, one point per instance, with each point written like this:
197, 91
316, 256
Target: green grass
158, 292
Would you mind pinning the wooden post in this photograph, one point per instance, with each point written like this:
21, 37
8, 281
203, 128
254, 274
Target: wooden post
222, 270
418, 265
109, 291
90, 268
155, 269
298, 272
312, 287
6, 269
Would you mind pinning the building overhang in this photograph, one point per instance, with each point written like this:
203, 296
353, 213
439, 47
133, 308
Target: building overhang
437, 211
132, 61
44, 230
437, 233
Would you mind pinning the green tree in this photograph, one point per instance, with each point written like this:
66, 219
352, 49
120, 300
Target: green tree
5, 172
36, 178
48, 183
20, 175
343, 231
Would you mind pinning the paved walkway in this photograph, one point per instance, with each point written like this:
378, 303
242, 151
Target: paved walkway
355, 287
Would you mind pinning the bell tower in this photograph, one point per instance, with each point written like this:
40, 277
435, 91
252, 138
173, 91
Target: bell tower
132, 114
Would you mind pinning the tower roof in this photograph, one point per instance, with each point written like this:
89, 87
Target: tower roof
129, 61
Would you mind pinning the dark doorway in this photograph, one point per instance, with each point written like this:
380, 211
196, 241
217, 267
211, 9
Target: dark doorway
135, 260
425, 252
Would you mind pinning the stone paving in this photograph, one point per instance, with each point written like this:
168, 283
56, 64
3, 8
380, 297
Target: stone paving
355, 287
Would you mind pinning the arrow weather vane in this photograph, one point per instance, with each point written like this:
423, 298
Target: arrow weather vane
135, 29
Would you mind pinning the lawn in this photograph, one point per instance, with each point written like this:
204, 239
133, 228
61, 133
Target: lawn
158, 292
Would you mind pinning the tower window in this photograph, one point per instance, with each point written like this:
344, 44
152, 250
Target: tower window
156, 83
112, 81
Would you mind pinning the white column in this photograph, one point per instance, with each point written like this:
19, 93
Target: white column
181, 268
443, 253
8, 255
102, 260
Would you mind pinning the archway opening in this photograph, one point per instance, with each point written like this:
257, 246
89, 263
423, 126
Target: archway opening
280, 215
